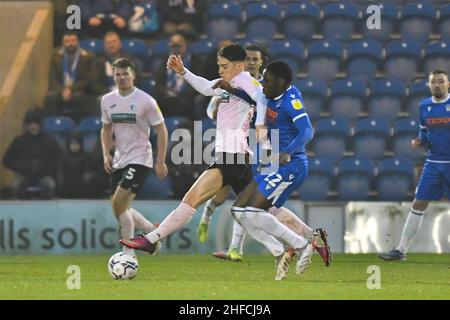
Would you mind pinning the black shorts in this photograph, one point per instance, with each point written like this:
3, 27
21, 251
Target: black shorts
235, 169
132, 177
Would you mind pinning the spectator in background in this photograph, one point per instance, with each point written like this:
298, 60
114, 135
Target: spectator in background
104, 15
102, 75
145, 17
69, 78
34, 158
80, 180
176, 97
182, 16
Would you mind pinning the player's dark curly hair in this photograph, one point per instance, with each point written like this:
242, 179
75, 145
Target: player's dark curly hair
281, 70
265, 55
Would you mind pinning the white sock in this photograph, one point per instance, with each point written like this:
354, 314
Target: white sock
272, 244
290, 220
237, 240
140, 222
208, 211
126, 225
267, 222
412, 225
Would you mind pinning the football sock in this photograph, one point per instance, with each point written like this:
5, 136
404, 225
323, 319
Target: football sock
273, 245
237, 240
208, 211
412, 225
174, 221
289, 219
126, 229
267, 222
140, 222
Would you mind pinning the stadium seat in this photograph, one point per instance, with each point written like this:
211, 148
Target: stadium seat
417, 20
135, 47
94, 45
224, 20
60, 127
314, 93
159, 51
324, 59
417, 92
330, 137
173, 123
301, 21
155, 188
90, 129
394, 181
347, 98
371, 138
202, 49
437, 57
353, 181
444, 22
402, 60
386, 98
148, 85
388, 23
290, 51
404, 130
363, 59
319, 181
340, 21
262, 20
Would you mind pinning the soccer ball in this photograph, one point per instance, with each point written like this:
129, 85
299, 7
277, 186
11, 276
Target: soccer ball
123, 266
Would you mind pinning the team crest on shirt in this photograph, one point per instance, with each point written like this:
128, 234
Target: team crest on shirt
297, 104
133, 107
225, 97
447, 107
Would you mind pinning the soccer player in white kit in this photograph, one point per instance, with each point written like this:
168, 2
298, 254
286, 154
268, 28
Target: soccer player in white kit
128, 113
231, 166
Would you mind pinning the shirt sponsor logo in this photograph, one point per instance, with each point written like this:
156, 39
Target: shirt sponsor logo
123, 118
438, 122
297, 104
271, 115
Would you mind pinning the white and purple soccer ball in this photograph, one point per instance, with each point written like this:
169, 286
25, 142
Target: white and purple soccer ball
123, 266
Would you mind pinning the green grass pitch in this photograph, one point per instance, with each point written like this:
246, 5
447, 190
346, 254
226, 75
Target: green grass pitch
196, 277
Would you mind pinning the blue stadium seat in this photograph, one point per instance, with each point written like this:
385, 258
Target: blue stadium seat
324, 59
60, 127
388, 23
290, 51
224, 20
444, 22
173, 123
94, 45
347, 98
301, 21
417, 20
340, 21
363, 59
319, 181
330, 137
402, 60
136, 47
437, 56
148, 85
417, 92
371, 138
394, 181
155, 188
386, 98
314, 93
354, 177
262, 20
90, 129
406, 129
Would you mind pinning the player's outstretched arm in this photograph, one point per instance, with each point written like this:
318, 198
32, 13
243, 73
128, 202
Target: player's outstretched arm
161, 167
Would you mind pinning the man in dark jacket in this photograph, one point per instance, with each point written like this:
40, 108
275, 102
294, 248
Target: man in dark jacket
69, 80
34, 158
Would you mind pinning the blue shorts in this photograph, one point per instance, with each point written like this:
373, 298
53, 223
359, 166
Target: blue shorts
278, 186
434, 181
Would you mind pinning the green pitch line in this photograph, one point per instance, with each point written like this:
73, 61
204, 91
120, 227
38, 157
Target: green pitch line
422, 276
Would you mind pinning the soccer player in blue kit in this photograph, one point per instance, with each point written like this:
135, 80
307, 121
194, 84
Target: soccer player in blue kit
434, 133
285, 114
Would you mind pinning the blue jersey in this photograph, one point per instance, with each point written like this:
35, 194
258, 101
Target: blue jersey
435, 129
282, 113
